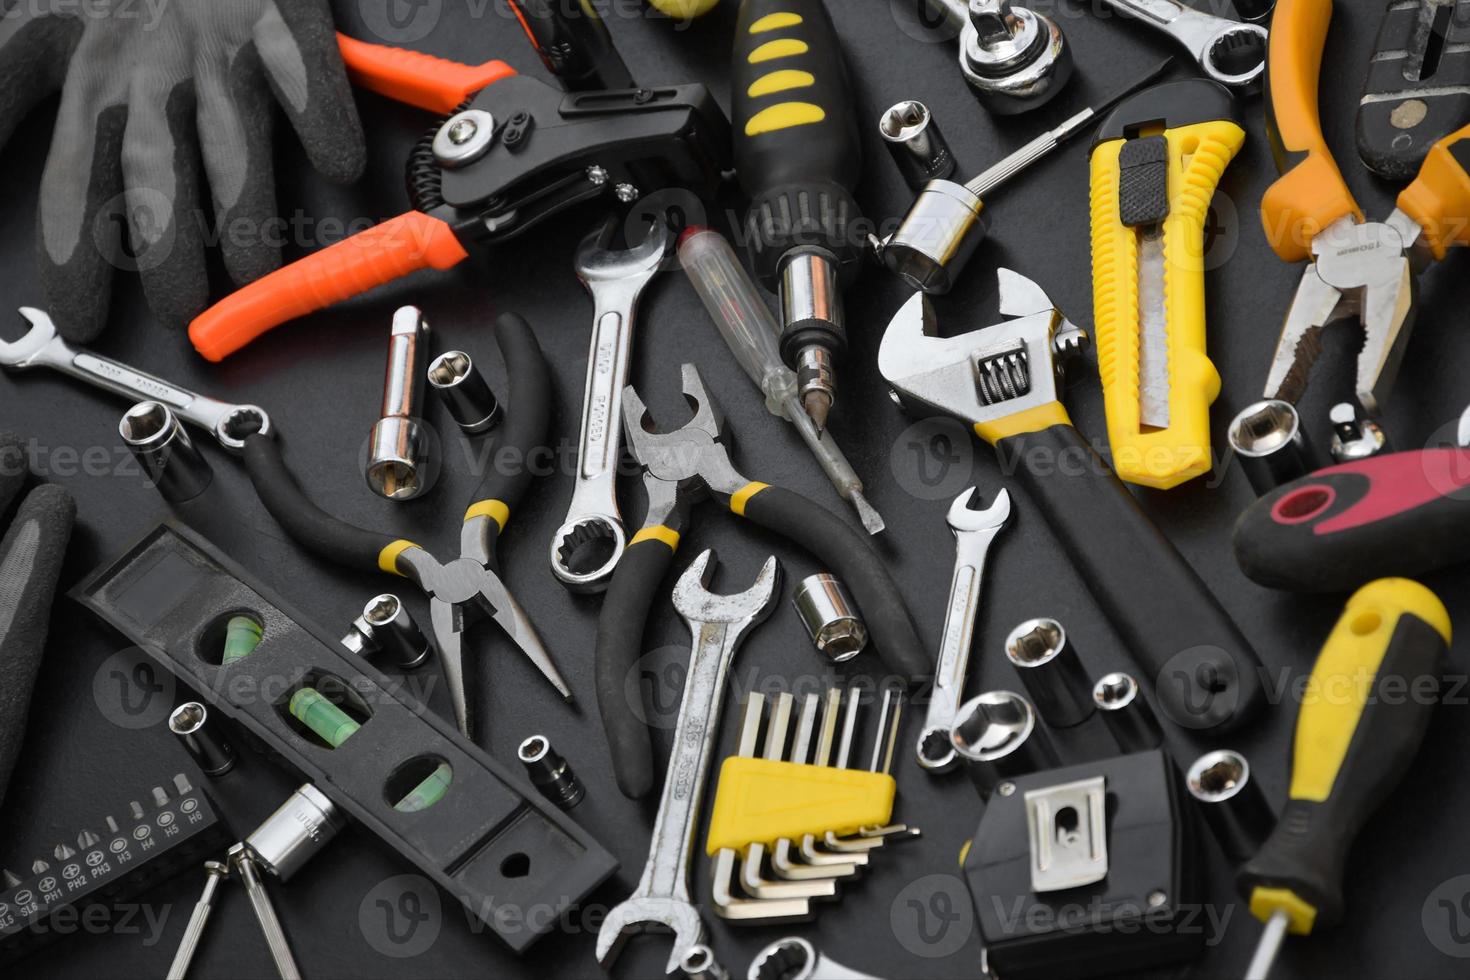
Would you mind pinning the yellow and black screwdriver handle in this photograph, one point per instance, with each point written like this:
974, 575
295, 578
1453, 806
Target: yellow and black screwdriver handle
1311, 193
335, 540
1155, 165
1363, 717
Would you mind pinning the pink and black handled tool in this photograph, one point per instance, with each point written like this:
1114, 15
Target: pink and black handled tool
1403, 514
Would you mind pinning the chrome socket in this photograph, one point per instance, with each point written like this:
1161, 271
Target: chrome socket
200, 735
1051, 671
1233, 804
997, 736
918, 148
830, 617
1268, 440
400, 463
549, 772
699, 963
1133, 723
464, 391
1355, 435
291, 836
385, 627
162, 447
1015, 59
937, 237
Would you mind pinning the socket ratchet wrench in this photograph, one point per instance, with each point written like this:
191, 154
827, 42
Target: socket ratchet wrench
974, 530
718, 624
42, 346
1228, 51
615, 279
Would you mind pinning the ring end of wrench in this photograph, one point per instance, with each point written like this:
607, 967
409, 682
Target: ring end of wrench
575, 535
935, 751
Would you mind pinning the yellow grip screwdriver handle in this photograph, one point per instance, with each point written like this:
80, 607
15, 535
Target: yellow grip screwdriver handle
1439, 198
1364, 715
1311, 193
1168, 146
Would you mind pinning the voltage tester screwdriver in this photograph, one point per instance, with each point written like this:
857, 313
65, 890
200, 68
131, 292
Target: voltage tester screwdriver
798, 156
1354, 740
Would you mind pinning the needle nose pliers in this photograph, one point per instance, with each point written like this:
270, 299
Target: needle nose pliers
680, 468
468, 587
1360, 270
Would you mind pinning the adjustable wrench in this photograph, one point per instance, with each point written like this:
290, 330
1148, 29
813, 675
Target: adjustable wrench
974, 530
718, 624
42, 346
615, 279
1228, 52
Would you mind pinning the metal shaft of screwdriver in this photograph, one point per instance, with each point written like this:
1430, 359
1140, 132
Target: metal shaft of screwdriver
194, 931
1268, 947
265, 914
998, 173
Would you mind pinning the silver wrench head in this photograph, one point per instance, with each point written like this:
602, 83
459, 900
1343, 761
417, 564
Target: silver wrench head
698, 605
23, 353
1235, 56
596, 262
963, 518
642, 914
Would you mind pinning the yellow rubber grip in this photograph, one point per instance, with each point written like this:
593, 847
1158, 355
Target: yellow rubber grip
667, 535
388, 557
1301, 915
741, 498
496, 510
1037, 419
760, 801
1439, 199
1164, 457
1350, 659
1311, 193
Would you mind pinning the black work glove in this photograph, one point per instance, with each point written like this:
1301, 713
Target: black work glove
148, 88
30, 563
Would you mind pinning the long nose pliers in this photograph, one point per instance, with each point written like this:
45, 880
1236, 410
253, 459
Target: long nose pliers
469, 587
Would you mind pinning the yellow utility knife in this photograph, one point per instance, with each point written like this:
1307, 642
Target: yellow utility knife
1155, 166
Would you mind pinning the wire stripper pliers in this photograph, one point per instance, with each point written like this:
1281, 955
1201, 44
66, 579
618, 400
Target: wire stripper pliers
469, 586
680, 468
512, 152
1361, 270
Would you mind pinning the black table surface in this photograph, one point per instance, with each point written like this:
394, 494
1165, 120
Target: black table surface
96, 738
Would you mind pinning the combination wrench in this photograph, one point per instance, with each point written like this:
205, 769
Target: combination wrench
718, 624
1228, 51
43, 346
794, 958
974, 530
615, 279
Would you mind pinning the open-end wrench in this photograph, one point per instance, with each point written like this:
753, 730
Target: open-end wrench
974, 530
42, 346
615, 279
1228, 51
718, 624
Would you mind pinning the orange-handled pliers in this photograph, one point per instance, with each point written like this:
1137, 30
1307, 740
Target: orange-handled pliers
1360, 270
513, 151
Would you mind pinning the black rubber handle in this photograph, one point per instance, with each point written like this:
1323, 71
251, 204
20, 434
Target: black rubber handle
798, 152
511, 467
308, 525
1307, 854
1205, 674
850, 557
619, 646
1399, 515
527, 417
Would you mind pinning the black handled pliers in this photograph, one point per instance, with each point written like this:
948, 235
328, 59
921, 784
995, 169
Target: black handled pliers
469, 587
680, 468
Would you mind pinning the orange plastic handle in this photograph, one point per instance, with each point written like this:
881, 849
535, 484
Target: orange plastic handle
1439, 199
385, 252
417, 79
1311, 193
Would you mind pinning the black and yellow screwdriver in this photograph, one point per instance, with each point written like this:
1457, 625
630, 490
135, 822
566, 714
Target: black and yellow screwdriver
1362, 720
798, 157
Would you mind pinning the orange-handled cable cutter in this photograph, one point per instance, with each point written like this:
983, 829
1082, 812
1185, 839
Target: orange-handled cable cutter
512, 152
1360, 270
